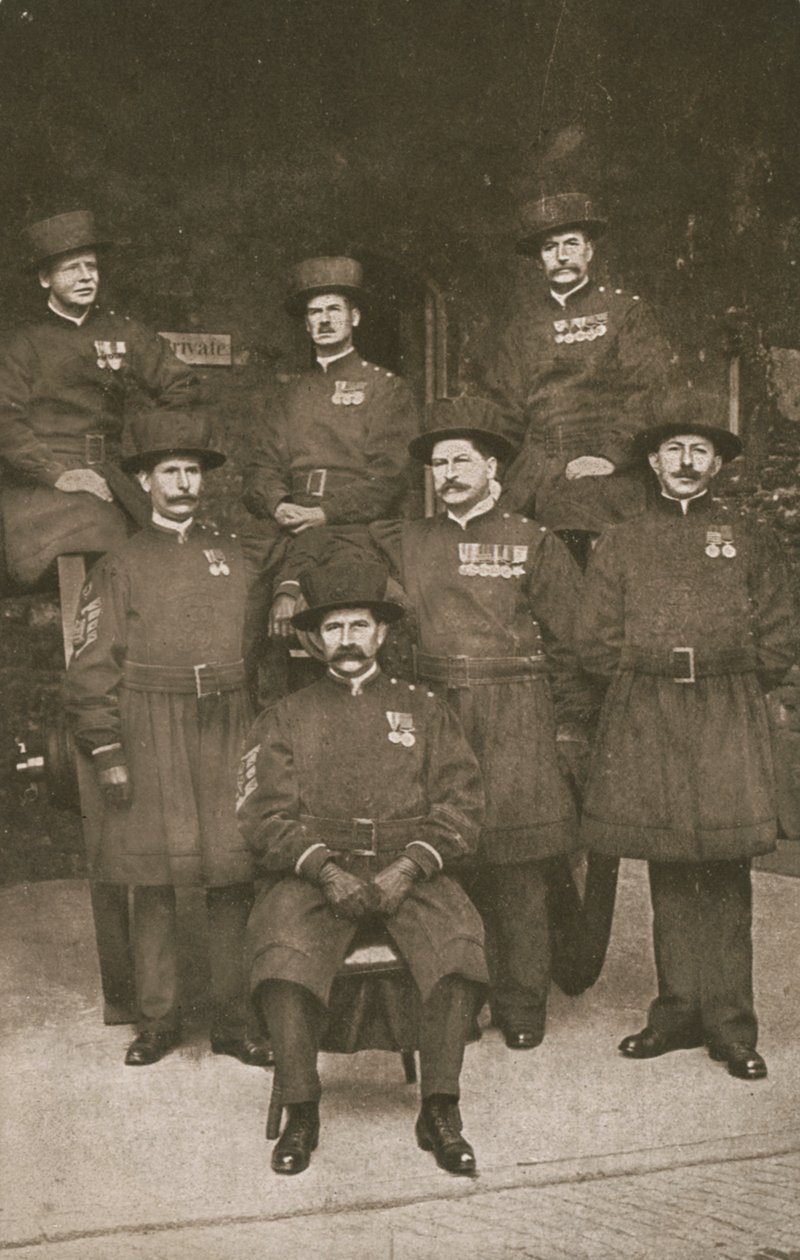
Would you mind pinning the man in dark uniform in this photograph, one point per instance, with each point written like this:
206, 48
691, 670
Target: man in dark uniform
689, 618
63, 384
577, 373
155, 688
357, 791
494, 597
333, 450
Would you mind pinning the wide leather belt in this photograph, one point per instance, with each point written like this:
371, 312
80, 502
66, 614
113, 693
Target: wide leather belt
190, 680
686, 664
468, 671
362, 836
315, 483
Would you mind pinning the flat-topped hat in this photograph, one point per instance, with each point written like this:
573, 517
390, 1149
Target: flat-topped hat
684, 416
161, 434
556, 213
62, 234
329, 587
469, 416
323, 275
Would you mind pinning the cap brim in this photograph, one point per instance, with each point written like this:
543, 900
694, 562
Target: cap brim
148, 459
421, 447
296, 304
384, 610
531, 244
726, 444
35, 264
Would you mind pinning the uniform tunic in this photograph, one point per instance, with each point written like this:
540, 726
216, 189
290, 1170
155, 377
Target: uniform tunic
683, 771
502, 587
167, 606
335, 439
578, 380
366, 775
61, 407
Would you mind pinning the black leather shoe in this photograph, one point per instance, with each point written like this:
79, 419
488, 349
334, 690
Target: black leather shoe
252, 1053
742, 1061
149, 1047
649, 1044
522, 1038
292, 1153
438, 1129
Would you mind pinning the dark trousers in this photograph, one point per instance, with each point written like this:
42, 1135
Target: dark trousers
296, 1022
156, 957
112, 933
512, 901
702, 919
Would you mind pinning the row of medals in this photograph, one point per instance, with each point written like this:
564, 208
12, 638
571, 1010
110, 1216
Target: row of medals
217, 564
492, 559
402, 731
719, 542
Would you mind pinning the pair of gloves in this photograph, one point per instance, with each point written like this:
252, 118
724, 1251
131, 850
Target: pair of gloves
350, 897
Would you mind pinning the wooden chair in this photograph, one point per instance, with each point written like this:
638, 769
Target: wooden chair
374, 1006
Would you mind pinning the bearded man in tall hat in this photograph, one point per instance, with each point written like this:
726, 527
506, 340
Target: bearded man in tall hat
360, 792
155, 689
333, 449
577, 373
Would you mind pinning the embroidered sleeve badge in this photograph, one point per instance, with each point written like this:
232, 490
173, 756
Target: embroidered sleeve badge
246, 781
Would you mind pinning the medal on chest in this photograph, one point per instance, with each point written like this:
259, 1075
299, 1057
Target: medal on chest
110, 354
580, 328
504, 560
401, 729
349, 393
719, 542
217, 564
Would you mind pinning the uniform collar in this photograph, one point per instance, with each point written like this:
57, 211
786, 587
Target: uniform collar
325, 362
181, 528
358, 683
480, 509
71, 319
563, 298
699, 503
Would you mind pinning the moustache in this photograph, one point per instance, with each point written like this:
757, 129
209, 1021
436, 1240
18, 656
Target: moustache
454, 485
349, 654
689, 474
183, 498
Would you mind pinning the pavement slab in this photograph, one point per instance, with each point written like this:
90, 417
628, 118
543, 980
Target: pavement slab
94, 1154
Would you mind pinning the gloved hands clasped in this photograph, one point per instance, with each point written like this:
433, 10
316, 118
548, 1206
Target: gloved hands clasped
350, 897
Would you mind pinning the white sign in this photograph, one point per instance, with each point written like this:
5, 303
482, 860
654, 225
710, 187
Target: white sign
201, 349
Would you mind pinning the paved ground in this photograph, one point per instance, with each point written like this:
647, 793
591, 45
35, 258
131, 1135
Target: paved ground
582, 1154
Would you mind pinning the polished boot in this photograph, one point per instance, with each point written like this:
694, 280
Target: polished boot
292, 1153
650, 1043
245, 1049
741, 1061
438, 1129
522, 1038
149, 1047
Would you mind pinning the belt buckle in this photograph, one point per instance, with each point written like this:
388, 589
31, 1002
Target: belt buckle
360, 825
315, 482
687, 664
198, 682
95, 448
458, 671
